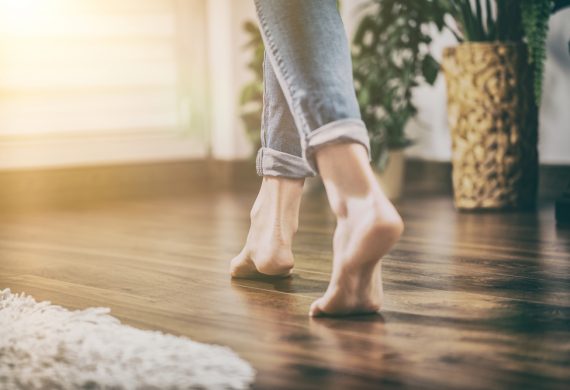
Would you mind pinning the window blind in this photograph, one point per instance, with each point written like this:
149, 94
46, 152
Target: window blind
128, 70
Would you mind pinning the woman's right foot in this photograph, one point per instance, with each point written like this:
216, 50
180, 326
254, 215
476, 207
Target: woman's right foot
274, 222
366, 230
368, 226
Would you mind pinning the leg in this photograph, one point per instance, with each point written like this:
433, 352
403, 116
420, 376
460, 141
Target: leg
275, 213
306, 44
308, 50
281, 152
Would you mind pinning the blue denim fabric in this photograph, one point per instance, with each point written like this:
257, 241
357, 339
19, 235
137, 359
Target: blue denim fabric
309, 99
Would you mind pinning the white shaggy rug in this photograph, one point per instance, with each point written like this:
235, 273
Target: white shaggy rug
43, 346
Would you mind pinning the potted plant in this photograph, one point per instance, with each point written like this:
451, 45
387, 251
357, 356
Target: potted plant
390, 58
494, 79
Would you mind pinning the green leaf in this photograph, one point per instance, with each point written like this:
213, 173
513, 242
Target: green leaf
430, 69
560, 5
491, 27
479, 20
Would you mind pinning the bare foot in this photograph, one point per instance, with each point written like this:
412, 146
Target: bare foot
368, 226
274, 222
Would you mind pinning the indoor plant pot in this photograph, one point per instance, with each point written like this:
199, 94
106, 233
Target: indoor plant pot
493, 120
391, 178
494, 84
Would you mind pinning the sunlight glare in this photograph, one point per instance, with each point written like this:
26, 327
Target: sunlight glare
28, 17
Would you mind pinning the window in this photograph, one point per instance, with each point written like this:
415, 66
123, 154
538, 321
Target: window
91, 81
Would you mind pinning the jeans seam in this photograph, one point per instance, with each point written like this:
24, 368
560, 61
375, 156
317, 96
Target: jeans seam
259, 162
264, 121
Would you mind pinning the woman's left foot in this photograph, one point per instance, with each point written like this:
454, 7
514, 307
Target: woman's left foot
274, 222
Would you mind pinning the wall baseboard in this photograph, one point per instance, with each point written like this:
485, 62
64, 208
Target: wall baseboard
70, 187
431, 177
78, 186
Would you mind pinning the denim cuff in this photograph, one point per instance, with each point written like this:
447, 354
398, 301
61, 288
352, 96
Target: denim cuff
270, 162
341, 131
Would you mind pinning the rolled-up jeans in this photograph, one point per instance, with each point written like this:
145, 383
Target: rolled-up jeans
309, 99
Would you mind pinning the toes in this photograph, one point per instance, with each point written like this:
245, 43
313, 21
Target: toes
316, 309
234, 264
275, 269
242, 266
335, 310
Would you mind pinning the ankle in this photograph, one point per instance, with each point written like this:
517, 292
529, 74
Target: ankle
352, 187
345, 169
374, 207
276, 210
386, 222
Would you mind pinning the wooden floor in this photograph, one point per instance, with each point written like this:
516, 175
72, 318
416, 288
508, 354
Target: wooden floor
473, 301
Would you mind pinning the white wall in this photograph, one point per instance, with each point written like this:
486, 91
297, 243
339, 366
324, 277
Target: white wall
228, 74
555, 109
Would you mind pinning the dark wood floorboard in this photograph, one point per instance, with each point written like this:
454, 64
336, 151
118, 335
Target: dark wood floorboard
473, 300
